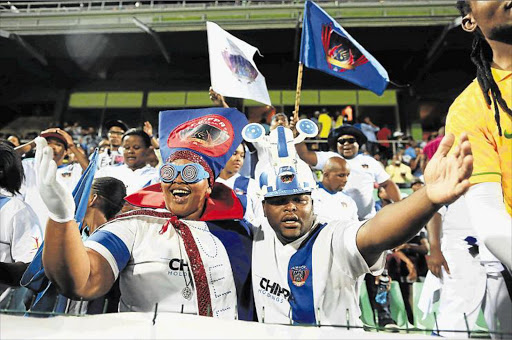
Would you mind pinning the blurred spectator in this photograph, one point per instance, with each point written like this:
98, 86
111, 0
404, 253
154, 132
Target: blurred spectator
135, 173
67, 174
20, 230
398, 171
369, 129
314, 119
245, 188
325, 127
113, 156
383, 199
329, 201
365, 171
338, 119
385, 147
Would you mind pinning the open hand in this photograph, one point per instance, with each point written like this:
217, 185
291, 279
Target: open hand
446, 175
148, 128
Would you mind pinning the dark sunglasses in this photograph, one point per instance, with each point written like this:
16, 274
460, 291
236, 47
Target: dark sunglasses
342, 141
190, 173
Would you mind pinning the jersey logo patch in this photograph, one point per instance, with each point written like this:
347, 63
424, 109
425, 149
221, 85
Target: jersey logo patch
508, 135
365, 166
299, 275
239, 191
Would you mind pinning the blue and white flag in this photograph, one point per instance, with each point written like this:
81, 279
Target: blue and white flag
232, 69
34, 278
327, 47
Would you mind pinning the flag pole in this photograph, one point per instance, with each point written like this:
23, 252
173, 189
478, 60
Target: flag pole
297, 94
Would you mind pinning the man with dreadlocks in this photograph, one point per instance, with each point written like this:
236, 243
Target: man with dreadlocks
483, 110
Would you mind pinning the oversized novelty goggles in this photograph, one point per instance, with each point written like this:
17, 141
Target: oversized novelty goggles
190, 173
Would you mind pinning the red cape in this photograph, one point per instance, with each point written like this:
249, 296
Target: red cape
221, 205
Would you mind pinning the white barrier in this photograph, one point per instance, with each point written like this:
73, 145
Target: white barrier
170, 326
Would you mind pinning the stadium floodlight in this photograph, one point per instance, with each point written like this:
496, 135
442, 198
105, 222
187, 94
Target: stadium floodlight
155, 37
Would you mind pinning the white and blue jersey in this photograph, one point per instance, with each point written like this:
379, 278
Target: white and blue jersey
153, 265
134, 180
312, 279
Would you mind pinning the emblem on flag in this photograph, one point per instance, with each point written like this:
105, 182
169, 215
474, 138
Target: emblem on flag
326, 46
299, 275
237, 62
340, 53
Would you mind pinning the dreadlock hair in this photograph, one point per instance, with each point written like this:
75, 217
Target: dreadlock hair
112, 192
481, 56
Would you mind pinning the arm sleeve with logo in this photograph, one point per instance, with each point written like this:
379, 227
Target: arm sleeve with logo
347, 254
115, 243
26, 234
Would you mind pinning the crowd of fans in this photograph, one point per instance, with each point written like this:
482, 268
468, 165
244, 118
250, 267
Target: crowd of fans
234, 230
129, 160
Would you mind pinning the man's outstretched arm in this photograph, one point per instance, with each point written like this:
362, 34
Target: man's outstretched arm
446, 179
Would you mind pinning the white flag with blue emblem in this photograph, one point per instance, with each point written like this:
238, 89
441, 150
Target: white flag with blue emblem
232, 69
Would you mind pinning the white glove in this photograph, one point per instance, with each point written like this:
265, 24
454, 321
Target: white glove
58, 200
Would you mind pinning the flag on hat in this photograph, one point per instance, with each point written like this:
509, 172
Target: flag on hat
232, 69
327, 47
212, 133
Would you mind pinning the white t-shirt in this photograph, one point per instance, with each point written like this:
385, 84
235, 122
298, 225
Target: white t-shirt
254, 208
365, 171
312, 277
337, 206
109, 158
20, 231
67, 174
133, 180
153, 265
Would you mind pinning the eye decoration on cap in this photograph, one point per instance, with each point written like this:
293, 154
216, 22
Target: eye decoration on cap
190, 173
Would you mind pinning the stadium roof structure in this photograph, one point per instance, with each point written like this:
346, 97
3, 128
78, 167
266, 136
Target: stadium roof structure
50, 49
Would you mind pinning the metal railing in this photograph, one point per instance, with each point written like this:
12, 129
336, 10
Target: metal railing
54, 17
30, 7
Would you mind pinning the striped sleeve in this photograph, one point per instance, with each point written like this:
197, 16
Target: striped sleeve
115, 243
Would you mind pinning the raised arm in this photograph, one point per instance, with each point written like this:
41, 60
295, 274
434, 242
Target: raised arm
80, 157
77, 271
446, 179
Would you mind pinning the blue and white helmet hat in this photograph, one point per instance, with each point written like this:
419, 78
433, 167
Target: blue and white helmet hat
284, 177
286, 182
